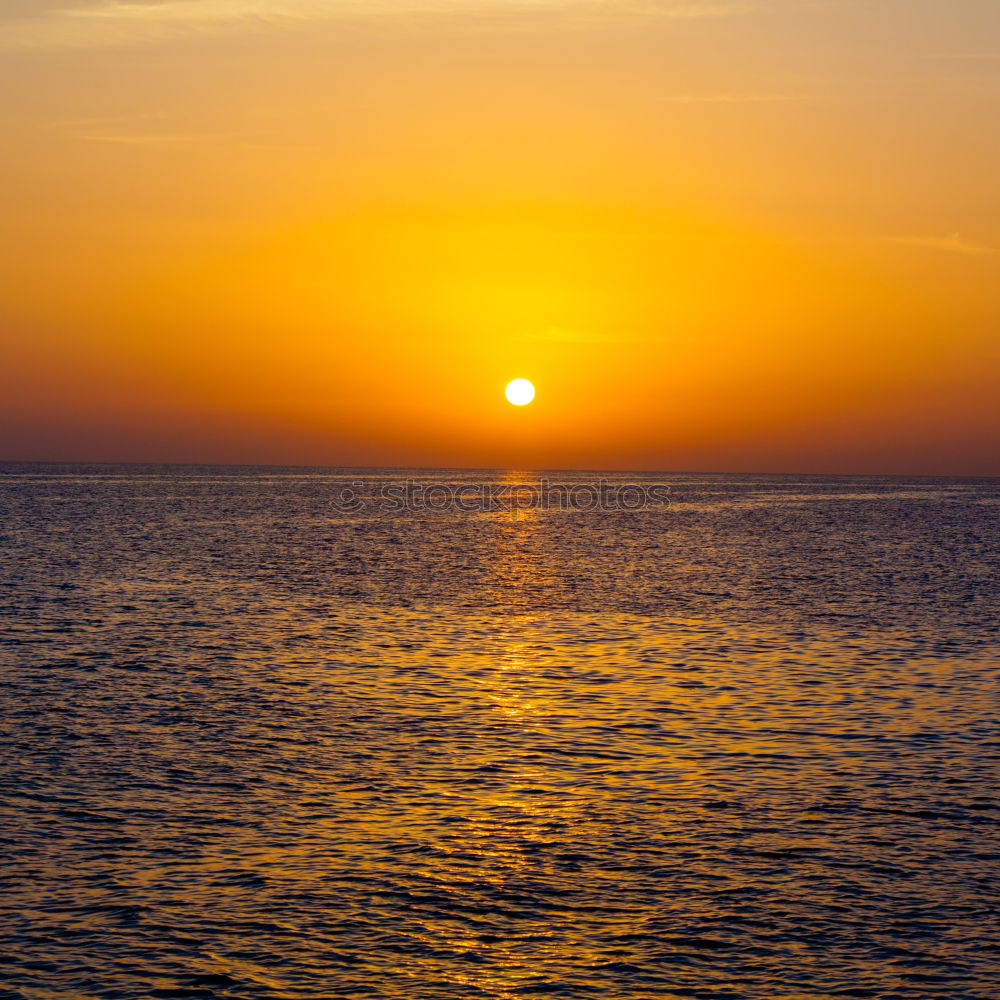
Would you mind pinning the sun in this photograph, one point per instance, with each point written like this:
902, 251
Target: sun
520, 392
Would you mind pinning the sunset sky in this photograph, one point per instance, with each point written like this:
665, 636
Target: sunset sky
720, 236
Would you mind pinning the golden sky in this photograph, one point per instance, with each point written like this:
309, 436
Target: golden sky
726, 236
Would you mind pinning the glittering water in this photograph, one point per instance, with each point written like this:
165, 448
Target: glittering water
744, 746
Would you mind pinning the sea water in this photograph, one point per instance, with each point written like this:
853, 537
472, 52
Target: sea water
262, 743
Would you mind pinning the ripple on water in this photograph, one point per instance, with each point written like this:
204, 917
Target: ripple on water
495, 760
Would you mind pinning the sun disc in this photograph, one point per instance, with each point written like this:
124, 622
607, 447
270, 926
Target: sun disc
520, 392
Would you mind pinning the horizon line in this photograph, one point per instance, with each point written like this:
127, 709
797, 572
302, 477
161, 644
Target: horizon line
501, 469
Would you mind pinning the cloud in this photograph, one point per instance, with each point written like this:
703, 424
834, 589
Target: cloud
560, 335
143, 140
953, 243
730, 98
137, 129
968, 56
119, 22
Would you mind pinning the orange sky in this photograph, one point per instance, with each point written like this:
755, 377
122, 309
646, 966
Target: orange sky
718, 236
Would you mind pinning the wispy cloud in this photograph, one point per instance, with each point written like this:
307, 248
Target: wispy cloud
559, 335
731, 98
134, 129
103, 121
953, 243
968, 56
143, 140
114, 22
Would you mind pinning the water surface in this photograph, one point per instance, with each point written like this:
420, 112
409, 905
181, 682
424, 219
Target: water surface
742, 746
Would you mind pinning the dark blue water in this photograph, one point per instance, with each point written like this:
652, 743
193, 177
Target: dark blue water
741, 745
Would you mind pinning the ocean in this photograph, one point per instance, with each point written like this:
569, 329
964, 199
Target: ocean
266, 738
